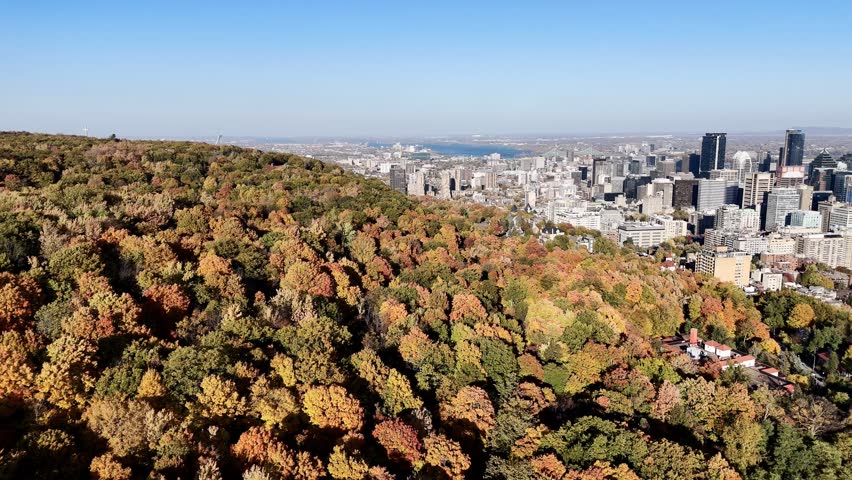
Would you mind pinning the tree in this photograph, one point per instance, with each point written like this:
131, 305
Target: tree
802, 316
471, 404
20, 297
400, 441
333, 407
468, 308
446, 455
219, 399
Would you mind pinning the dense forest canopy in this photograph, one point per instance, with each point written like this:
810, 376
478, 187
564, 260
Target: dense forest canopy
182, 310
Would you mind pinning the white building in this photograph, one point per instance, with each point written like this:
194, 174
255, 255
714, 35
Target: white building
642, 235
779, 203
672, 228
832, 249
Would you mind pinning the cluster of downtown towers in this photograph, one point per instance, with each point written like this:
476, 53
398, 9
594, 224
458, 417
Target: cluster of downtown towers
712, 155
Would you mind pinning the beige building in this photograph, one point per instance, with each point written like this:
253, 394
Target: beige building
726, 265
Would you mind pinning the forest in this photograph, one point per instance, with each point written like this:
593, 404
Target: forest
182, 310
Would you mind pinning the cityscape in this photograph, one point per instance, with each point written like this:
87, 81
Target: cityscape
757, 214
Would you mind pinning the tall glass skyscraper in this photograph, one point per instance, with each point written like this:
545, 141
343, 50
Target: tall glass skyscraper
794, 149
712, 153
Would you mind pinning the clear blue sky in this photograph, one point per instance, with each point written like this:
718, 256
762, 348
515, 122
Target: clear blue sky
181, 68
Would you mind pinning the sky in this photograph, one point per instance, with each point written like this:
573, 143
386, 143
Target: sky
376, 68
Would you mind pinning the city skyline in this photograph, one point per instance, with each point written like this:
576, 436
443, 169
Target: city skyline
442, 69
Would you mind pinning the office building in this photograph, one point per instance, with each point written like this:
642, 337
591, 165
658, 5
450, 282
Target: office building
725, 174
725, 264
642, 235
398, 179
711, 194
779, 203
823, 160
806, 196
685, 193
805, 219
793, 150
598, 167
757, 185
694, 164
840, 218
712, 153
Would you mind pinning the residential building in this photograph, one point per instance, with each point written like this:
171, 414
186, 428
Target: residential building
725, 264
672, 228
832, 249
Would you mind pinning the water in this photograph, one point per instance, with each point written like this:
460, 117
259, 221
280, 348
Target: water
465, 149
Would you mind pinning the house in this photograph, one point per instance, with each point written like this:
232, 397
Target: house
723, 351
744, 361
770, 371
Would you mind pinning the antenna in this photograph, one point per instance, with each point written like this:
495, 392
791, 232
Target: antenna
218, 139
85, 131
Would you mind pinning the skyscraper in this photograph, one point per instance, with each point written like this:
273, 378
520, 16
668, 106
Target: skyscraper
398, 179
712, 152
694, 164
779, 203
793, 150
756, 186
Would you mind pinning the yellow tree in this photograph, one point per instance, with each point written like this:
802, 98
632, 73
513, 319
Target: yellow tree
333, 407
446, 455
802, 316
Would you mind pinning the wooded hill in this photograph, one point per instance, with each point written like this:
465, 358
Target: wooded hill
182, 310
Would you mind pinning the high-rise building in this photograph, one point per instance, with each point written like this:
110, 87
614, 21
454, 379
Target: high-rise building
685, 193
490, 181
598, 165
793, 150
756, 186
417, 185
840, 218
724, 264
779, 203
832, 249
806, 196
712, 152
446, 190
666, 167
711, 194
823, 160
398, 179
843, 186
694, 164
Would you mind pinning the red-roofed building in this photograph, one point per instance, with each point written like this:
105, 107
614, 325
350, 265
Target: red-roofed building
723, 351
770, 371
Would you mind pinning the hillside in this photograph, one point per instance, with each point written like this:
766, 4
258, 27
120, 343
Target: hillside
182, 310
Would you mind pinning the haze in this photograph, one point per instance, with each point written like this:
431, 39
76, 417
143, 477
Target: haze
392, 68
